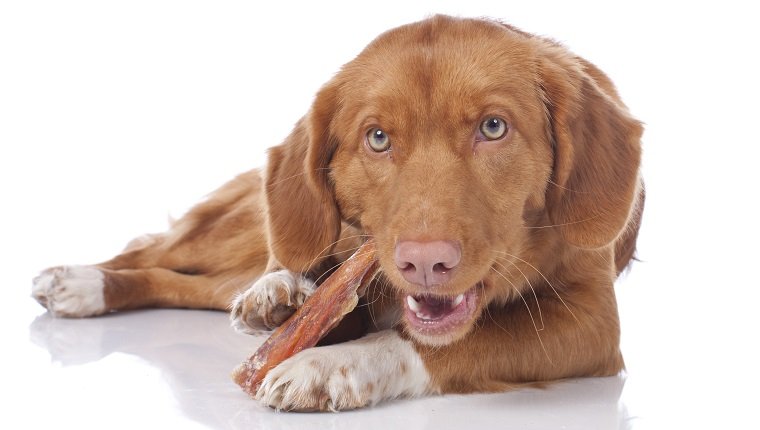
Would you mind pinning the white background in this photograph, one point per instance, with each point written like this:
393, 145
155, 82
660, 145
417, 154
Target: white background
116, 115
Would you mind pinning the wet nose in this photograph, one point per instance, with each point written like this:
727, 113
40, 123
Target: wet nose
427, 263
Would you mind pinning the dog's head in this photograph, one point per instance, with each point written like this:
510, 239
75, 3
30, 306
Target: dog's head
463, 147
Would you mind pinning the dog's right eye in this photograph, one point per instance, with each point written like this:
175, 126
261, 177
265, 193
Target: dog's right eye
377, 140
494, 128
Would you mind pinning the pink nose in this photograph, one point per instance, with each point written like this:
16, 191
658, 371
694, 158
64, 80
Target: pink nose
427, 263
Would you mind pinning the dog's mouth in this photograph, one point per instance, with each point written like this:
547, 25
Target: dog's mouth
435, 315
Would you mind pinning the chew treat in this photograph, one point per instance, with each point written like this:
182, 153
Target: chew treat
329, 303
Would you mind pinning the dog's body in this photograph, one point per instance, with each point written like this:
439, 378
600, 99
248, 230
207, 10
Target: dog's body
498, 174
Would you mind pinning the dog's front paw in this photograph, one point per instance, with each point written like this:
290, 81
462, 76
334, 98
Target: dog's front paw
345, 376
270, 301
71, 291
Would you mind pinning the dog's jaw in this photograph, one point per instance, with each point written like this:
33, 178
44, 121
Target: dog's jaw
437, 320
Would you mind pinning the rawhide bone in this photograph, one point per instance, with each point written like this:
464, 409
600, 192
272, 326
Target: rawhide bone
323, 310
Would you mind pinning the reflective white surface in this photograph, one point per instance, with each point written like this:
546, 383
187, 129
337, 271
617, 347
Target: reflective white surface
154, 367
112, 113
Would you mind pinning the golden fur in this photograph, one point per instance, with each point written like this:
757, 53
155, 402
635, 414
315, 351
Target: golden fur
546, 218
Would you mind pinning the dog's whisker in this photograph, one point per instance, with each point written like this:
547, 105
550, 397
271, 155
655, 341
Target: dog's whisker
603, 257
535, 296
530, 313
490, 316
566, 188
547, 282
286, 179
348, 250
368, 305
378, 296
320, 255
386, 286
305, 172
536, 227
328, 271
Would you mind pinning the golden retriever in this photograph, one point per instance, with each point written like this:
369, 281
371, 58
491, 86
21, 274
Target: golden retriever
498, 173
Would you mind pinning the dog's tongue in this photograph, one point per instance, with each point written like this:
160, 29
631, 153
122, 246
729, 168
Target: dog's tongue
436, 301
434, 307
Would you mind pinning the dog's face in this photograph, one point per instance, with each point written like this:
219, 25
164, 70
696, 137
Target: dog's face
442, 149
443, 141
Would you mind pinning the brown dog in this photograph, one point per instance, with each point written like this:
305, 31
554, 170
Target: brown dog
499, 175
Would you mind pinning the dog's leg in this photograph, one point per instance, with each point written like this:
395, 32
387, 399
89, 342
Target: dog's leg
278, 293
270, 301
84, 291
208, 256
72, 291
349, 375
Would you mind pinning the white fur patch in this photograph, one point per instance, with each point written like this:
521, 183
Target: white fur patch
379, 366
71, 291
269, 301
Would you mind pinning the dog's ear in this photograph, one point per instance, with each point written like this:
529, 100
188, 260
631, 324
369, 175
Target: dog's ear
303, 218
596, 151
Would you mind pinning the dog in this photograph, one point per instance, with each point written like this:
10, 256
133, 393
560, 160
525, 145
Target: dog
498, 174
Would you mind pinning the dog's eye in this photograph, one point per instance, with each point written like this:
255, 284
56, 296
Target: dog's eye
493, 128
377, 140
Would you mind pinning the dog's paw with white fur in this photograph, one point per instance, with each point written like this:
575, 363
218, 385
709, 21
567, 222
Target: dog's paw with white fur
71, 291
270, 301
363, 372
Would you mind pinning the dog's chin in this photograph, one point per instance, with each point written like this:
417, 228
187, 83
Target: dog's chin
438, 320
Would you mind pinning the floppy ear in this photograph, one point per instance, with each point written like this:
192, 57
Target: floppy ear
597, 151
303, 219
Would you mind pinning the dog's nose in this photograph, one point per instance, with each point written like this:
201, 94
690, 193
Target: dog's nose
427, 263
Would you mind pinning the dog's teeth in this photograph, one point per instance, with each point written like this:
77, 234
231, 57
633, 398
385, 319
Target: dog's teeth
413, 304
422, 316
457, 300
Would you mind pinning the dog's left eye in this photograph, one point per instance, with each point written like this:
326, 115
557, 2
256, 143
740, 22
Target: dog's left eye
494, 128
378, 140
